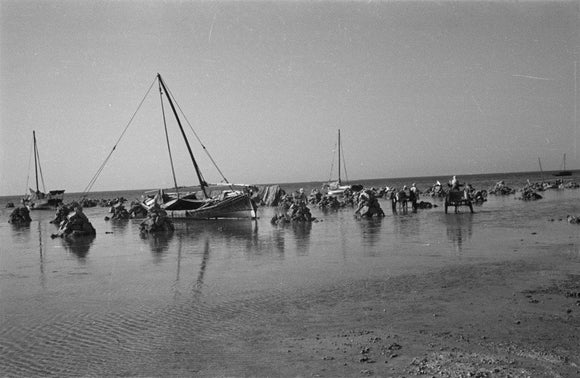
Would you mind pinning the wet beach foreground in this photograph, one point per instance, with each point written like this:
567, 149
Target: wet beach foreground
487, 320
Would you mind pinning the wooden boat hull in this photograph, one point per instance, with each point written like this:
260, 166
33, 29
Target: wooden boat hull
43, 204
239, 206
563, 171
183, 204
40, 205
337, 192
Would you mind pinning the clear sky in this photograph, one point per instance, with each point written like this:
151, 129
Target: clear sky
416, 88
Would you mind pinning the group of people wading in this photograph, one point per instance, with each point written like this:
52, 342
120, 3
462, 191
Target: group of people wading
400, 199
293, 207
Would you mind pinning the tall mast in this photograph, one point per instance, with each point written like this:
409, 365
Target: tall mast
575, 110
202, 182
339, 148
35, 160
564, 163
167, 139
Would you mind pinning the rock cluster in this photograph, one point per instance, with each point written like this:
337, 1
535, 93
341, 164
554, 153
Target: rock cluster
299, 212
137, 210
501, 189
157, 221
436, 191
62, 213
528, 193
119, 212
368, 205
20, 215
76, 224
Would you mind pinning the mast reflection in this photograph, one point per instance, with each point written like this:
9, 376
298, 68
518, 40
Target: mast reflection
204, 261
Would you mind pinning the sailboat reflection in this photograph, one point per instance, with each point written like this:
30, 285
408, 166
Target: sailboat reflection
459, 229
198, 284
41, 254
204, 261
78, 245
231, 230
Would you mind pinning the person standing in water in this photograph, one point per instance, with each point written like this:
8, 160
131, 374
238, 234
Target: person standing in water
454, 183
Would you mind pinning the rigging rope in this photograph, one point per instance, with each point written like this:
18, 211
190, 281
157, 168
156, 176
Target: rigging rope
199, 140
344, 163
332, 163
202, 183
40, 168
99, 171
94, 179
28, 174
167, 140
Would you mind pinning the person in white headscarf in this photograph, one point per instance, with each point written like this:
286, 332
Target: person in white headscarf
454, 183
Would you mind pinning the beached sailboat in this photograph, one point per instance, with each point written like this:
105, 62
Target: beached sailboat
37, 199
337, 187
563, 171
208, 201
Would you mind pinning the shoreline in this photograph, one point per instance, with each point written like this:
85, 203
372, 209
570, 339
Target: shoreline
514, 179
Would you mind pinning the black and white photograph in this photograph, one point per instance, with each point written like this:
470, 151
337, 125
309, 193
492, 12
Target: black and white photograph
289, 188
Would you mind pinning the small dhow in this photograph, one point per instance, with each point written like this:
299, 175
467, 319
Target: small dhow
206, 201
336, 187
563, 171
228, 203
37, 199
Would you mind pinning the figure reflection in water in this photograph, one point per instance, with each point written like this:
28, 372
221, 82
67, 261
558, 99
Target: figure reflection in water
79, 245
406, 227
459, 229
119, 226
302, 234
370, 230
279, 239
158, 243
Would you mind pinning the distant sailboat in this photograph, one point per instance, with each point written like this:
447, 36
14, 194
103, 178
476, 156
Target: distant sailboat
336, 187
563, 171
37, 199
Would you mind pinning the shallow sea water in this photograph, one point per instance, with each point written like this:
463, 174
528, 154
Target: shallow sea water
87, 307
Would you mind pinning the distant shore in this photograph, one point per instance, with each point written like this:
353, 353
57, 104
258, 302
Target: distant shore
519, 179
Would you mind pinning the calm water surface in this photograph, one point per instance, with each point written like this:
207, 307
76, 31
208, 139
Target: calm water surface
83, 308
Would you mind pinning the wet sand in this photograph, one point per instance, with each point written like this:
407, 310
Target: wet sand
519, 318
